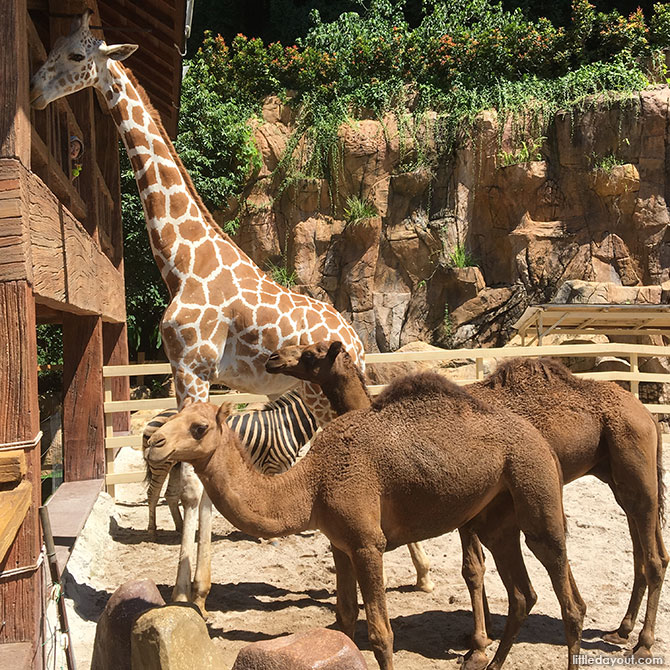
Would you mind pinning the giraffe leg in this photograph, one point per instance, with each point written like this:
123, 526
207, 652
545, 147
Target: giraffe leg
202, 583
422, 567
190, 385
191, 493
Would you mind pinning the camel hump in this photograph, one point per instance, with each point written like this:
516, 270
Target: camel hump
518, 372
421, 385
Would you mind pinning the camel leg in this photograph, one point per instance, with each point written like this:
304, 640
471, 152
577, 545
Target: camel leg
368, 565
542, 520
202, 582
347, 601
655, 563
549, 548
422, 567
156, 480
639, 499
620, 636
191, 492
473, 574
172, 496
506, 550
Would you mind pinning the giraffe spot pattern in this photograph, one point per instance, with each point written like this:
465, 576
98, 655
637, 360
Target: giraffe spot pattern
222, 302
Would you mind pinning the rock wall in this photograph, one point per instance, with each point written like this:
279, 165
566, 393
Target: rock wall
530, 226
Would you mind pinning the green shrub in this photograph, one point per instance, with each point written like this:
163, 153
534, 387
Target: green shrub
358, 210
282, 275
461, 258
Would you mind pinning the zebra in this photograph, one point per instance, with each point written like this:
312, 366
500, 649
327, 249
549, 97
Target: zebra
272, 435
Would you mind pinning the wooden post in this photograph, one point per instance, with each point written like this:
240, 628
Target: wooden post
634, 383
479, 366
21, 595
83, 418
14, 76
115, 342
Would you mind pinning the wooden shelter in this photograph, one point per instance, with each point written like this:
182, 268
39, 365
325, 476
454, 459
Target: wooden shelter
539, 321
61, 261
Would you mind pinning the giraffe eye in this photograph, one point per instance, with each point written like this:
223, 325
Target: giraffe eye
77, 58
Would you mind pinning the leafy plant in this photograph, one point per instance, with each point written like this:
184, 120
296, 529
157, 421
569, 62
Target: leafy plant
461, 258
282, 275
529, 151
605, 163
358, 210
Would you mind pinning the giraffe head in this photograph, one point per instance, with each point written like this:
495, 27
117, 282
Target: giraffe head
75, 62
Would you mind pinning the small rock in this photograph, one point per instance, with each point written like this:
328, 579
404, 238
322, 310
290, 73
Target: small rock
318, 648
173, 637
111, 649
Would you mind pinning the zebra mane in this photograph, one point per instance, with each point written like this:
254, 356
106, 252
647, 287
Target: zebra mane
286, 400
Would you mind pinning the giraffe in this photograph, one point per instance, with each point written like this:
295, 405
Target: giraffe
225, 315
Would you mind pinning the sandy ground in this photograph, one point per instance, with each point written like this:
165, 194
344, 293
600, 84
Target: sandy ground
261, 590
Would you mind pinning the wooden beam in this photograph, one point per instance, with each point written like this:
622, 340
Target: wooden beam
21, 595
14, 78
14, 504
83, 420
15, 256
69, 272
12, 467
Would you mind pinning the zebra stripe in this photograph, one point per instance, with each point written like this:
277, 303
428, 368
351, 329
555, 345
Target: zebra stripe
273, 437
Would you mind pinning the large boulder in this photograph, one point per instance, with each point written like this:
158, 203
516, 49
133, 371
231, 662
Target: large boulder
173, 638
111, 649
321, 649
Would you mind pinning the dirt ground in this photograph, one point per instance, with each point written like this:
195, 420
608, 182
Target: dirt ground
265, 589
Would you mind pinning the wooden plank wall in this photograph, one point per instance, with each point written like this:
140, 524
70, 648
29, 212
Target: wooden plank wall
41, 241
21, 596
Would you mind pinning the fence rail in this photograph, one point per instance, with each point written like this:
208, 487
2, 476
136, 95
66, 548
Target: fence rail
631, 352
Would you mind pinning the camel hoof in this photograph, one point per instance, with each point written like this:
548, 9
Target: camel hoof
641, 652
426, 584
475, 660
615, 638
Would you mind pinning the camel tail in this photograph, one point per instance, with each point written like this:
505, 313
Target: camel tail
659, 474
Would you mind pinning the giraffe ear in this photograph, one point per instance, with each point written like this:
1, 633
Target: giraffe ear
187, 401
118, 51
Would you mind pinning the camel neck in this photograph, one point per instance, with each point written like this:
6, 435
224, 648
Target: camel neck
259, 505
347, 391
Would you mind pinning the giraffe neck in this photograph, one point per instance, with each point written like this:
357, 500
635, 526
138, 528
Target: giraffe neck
177, 220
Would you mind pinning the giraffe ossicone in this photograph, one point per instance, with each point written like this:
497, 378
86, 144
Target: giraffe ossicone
225, 315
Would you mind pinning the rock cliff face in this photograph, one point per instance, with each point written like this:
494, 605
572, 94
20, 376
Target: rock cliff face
529, 226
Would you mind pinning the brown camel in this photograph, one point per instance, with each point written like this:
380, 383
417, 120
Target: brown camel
425, 459
594, 428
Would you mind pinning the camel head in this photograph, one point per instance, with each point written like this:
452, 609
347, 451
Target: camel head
75, 62
190, 435
309, 362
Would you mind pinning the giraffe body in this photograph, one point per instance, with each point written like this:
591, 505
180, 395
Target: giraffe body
225, 316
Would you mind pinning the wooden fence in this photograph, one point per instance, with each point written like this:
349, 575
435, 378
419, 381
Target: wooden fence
631, 352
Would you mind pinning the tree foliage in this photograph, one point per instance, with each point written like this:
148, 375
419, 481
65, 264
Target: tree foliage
453, 56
